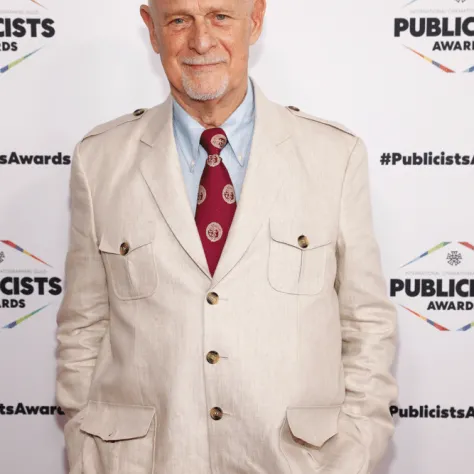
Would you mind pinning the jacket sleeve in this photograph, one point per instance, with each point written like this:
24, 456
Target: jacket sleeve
82, 319
368, 318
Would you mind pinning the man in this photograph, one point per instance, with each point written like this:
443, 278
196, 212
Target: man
179, 355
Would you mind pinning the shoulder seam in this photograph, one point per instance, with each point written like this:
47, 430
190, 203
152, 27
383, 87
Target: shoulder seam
297, 112
103, 127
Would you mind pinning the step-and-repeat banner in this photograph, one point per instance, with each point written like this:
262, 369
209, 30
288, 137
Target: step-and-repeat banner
399, 73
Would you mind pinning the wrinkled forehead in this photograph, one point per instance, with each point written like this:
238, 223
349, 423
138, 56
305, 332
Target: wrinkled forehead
171, 7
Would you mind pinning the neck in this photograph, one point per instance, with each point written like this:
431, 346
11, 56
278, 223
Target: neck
212, 113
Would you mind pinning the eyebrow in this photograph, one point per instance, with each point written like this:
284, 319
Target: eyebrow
171, 13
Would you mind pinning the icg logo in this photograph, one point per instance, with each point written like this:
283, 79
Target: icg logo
28, 285
439, 31
25, 28
438, 286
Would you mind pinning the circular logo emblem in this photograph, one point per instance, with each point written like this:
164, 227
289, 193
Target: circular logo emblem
214, 232
219, 141
228, 194
201, 194
213, 160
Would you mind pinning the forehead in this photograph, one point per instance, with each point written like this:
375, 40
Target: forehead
201, 6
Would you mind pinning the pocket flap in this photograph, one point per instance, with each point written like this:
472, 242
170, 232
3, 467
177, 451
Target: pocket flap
113, 422
111, 240
315, 425
288, 232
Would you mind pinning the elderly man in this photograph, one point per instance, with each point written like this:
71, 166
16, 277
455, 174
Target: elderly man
225, 310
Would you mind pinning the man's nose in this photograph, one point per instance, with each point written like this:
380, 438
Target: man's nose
202, 38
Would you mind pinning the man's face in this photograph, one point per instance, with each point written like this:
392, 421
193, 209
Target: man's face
204, 44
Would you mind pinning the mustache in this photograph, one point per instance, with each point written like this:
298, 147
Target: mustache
202, 60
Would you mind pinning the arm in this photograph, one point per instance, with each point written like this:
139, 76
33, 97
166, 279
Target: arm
368, 319
83, 316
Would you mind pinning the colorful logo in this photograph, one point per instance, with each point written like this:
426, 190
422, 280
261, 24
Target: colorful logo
25, 280
439, 31
438, 286
23, 32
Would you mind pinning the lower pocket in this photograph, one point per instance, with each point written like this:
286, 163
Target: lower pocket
119, 439
321, 439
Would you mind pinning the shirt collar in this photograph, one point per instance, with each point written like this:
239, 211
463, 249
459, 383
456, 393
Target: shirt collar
190, 131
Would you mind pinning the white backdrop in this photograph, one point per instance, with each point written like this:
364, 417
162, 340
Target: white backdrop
338, 60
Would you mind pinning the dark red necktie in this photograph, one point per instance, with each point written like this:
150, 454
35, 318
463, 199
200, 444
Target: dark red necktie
216, 203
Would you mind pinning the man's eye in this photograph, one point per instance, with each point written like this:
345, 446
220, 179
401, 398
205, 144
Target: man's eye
178, 21
221, 17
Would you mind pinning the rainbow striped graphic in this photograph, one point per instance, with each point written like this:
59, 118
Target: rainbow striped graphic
438, 247
6, 68
468, 245
467, 327
471, 69
428, 252
17, 247
14, 324
39, 4
434, 63
429, 321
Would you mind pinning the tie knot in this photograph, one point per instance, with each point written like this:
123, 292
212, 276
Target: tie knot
213, 140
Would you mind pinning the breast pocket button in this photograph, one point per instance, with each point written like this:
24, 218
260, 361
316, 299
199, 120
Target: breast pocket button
303, 241
124, 248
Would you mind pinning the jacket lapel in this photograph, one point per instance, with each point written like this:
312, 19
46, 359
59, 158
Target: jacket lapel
263, 179
161, 170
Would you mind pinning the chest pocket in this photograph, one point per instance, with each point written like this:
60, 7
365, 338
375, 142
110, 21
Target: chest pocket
130, 262
298, 258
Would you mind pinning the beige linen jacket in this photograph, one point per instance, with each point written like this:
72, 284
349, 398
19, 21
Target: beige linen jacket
301, 322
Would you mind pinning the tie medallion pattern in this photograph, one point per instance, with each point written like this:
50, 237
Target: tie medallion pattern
201, 194
214, 160
216, 200
228, 194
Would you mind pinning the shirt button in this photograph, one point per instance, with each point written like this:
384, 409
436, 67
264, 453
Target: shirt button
216, 413
303, 241
213, 357
124, 248
212, 298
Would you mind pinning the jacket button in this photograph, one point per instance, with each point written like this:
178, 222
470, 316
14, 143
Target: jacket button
212, 298
216, 413
124, 248
292, 107
213, 357
139, 112
303, 241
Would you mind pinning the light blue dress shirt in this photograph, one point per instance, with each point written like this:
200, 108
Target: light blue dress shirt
239, 128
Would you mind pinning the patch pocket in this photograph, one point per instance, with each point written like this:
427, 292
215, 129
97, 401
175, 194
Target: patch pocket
326, 436
130, 262
305, 431
119, 438
298, 258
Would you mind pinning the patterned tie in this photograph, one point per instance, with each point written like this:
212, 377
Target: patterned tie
216, 203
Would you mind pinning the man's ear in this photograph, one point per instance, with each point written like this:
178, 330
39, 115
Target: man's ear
256, 18
147, 17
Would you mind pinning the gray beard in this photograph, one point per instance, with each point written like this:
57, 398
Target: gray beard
200, 96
